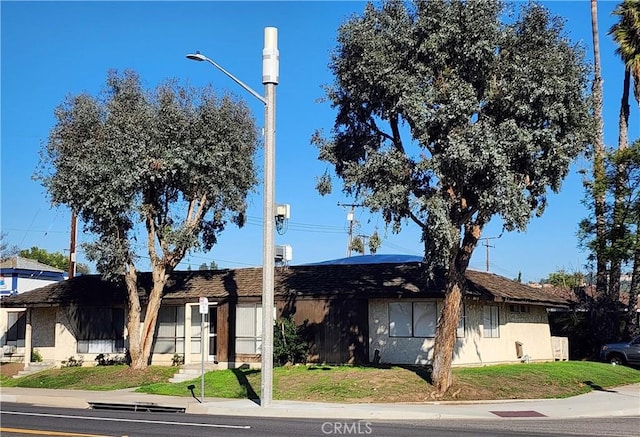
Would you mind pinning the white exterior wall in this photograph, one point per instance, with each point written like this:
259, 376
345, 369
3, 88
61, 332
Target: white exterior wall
28, 284
531, 329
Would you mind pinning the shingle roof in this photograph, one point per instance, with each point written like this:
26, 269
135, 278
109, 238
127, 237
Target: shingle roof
366, 281
20, 263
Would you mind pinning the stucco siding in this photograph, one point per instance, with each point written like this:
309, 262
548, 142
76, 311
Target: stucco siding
44, 322
530, 328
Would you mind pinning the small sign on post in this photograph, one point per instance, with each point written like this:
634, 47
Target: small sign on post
204, 305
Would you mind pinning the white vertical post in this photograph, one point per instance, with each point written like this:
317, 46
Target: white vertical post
270, 67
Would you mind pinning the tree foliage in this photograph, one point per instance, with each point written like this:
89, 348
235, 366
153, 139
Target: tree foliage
448, 117
168, 167
564, 279
289, 345
626, 33
6, 249
53, 259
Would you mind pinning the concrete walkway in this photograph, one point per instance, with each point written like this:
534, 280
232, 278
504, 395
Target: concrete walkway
620, 401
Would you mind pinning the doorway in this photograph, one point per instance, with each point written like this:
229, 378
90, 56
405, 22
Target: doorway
210, 328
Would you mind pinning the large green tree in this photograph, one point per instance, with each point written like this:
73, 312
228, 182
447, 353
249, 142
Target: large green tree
448, 117
169, 167
53, 259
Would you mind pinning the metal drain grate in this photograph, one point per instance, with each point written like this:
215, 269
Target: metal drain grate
138, 406
525, 413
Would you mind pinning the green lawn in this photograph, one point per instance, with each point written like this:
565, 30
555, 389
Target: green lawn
351, 383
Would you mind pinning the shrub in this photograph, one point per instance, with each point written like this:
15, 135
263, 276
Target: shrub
289, 345
36, 357
107, 360
177, 360
73, 361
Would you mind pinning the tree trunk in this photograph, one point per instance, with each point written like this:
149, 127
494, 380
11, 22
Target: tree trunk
618, 233
446, 333
133, 319
445, 340
599, 176
150, 318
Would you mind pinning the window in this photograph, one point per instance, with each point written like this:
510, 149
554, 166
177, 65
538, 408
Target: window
17, 323
519, 308
196, 329
248, 328
418, 319
100, 330
491, 322
400, 319
169, 336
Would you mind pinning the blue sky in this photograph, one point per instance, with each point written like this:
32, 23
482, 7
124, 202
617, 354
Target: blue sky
52, 49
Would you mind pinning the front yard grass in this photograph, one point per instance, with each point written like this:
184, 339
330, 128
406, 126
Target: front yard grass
351, 383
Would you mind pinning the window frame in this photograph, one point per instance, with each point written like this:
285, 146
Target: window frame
493, 331
519, 308
174, 341
16, 328
254, 338
90, 339
414, 326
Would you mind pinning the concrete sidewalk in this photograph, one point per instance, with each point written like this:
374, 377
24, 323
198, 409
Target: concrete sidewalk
620, 401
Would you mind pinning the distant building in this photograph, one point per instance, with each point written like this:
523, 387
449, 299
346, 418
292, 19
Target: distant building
18, 275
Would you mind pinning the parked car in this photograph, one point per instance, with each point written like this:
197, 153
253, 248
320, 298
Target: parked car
621, 353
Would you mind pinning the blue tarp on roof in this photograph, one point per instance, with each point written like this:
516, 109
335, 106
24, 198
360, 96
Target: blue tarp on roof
371, 259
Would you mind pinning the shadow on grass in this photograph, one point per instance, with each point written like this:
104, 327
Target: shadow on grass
597, 387
319, 368
241, 376
423, 372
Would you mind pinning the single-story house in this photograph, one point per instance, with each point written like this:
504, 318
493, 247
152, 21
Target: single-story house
19, 275
358, 313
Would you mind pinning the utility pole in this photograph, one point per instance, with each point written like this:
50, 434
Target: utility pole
72, 246
486, 244
350, 217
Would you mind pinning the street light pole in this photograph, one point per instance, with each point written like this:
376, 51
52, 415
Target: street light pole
270, 78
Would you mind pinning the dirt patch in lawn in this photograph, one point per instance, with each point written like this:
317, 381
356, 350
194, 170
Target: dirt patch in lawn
10, 369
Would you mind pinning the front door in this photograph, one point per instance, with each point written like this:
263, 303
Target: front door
206, 326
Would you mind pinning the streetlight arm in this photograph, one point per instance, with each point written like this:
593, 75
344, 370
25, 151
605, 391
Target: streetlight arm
200, 57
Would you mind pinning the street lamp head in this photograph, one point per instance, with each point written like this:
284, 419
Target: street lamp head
197, 56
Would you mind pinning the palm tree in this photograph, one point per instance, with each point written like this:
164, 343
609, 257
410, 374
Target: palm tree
599, 174
626, 33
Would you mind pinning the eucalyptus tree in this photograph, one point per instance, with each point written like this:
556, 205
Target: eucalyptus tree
164, 169
448, 117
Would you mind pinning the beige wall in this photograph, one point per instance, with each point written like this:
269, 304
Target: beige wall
55, 341
531, 329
